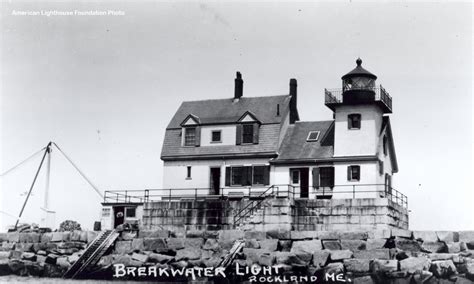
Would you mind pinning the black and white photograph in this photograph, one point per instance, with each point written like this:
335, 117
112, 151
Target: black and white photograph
236, 142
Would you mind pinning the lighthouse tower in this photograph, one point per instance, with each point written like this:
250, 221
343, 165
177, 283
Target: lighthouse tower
363, 144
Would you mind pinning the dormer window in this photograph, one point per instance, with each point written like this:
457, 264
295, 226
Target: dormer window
247, 133
313, 136
353, 121
190, 136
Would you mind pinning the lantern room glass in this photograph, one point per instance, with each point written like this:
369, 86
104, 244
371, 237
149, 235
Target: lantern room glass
358, 83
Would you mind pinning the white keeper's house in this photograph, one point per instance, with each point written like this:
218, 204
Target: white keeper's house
241, 146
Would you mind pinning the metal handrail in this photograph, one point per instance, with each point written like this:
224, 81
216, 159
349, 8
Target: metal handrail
238, 216
334, 96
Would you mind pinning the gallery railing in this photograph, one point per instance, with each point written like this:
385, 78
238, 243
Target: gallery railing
260, 192
334, 96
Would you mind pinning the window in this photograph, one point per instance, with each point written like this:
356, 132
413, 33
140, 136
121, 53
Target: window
188, 172
105, 212
354, 121
190, 136
258, 175
295, 176
247, 133
247, 175
130, 212
353, 173
216, 136
385, 150
313, 136
326, 176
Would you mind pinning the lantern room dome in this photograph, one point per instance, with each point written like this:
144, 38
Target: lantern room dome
359, 72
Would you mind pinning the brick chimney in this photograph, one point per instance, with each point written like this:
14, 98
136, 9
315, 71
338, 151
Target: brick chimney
293, 109
239, 86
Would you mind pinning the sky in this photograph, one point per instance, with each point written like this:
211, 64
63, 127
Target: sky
105, 87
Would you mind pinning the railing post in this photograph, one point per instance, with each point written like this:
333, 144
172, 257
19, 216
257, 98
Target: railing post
116, 197
126, 196
169, 199
353, 191
195, 194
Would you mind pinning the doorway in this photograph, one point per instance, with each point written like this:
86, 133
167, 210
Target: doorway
119, 215
299, 178
215, 183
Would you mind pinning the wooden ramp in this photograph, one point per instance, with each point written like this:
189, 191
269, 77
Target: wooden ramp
238, 245
92, 254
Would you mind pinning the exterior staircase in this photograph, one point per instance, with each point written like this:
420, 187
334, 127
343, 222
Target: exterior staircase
92, 254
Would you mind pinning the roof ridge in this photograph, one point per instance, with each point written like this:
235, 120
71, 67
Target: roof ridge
273, 96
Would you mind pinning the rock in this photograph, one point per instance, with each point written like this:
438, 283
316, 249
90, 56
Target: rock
123, 247
285, 245
289, 258
413, 264
4, 255
212, 244
108, 260
332, 244
433, 247
379, 234
303, 235
29, 237
160, 258
337, 255
469, 270
53, 271
140, 257
228, 237
46, 237
447, 236
361, 235
162, 234
407, 245
62, 262
188, 254
8, 246
258, 235
306, 246
153, 244
269, 244
91, 236
422, 277
74, 257
252, 255
379, 265
15, 254
3, 237
327, 235
4, 268
353, 245
137, 244
249, 243
441, 256
18, 267
467, 237
425, 236
40, 258
443, 268
401, 233
57, 237
334, 268
51, 258
266, 259
375, 244
127, 236
24, 247
373, 254
13, 237
28, 256
357, 265
320, 258
175, 243
363, 280
281, 234
453, 247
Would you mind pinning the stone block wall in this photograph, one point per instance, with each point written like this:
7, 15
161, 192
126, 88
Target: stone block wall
291, 214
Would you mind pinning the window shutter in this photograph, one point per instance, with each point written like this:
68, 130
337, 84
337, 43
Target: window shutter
349, 177
256, 129
316, 178
332, 177
238, 136
227, 176
198, 136
266, 175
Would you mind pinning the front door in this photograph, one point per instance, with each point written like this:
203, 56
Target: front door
304, 185
119, 215
215, 181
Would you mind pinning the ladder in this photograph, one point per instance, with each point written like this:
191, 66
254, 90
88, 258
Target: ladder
92, 254
238, 245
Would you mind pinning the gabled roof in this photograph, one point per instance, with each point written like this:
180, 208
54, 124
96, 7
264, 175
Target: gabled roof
295, 146
391, 144
190, 117
229, 111
248, 113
